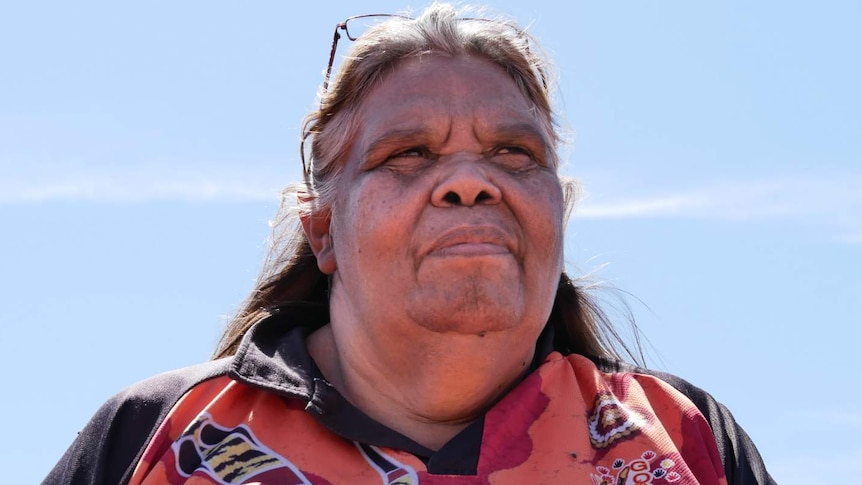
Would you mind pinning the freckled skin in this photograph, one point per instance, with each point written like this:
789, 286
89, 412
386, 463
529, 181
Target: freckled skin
386, 216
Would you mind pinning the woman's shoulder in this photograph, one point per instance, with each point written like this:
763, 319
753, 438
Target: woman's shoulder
740, 457
107, 448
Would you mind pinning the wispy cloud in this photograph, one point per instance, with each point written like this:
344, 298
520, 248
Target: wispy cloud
141, 187
827, 201
831, 202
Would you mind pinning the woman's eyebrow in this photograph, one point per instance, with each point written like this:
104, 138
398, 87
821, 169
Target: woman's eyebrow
396, 137
514, 131
522, 132
519, 129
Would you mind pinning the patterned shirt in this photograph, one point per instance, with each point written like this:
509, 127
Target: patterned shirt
267, 416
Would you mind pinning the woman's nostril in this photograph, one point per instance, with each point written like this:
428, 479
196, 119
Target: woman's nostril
452, 198
482, 196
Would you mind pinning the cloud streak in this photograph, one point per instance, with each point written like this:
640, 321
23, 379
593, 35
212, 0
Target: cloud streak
827, 201
831, 202
141, 187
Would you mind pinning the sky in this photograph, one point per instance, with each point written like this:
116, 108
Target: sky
719, 146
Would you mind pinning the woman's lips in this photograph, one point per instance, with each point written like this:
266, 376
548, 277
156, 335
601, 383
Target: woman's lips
471, 241
471, 249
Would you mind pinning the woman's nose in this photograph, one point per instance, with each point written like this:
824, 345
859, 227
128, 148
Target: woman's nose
465, 183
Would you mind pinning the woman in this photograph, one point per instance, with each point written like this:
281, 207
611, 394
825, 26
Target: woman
414, 324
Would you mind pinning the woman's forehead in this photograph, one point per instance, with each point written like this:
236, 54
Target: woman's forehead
430, 94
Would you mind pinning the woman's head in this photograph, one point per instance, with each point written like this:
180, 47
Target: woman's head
291, 272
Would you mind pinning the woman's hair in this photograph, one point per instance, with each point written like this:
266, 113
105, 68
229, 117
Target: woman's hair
290, 272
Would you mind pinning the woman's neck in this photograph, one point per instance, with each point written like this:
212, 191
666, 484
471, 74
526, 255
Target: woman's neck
428, 391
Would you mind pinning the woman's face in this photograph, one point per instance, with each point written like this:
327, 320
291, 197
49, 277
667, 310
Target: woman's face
449, 213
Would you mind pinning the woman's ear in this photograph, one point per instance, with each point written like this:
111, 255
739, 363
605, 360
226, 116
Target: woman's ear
316, 225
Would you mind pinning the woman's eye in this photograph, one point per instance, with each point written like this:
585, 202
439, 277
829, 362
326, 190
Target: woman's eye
412, 152
409, 160
514, 158
514, 150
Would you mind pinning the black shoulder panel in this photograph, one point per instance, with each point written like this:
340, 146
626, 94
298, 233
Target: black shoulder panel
110, 445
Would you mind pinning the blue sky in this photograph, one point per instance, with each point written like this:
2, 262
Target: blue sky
142, 147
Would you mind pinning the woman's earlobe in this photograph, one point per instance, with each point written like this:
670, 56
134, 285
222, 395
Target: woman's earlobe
317, 230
